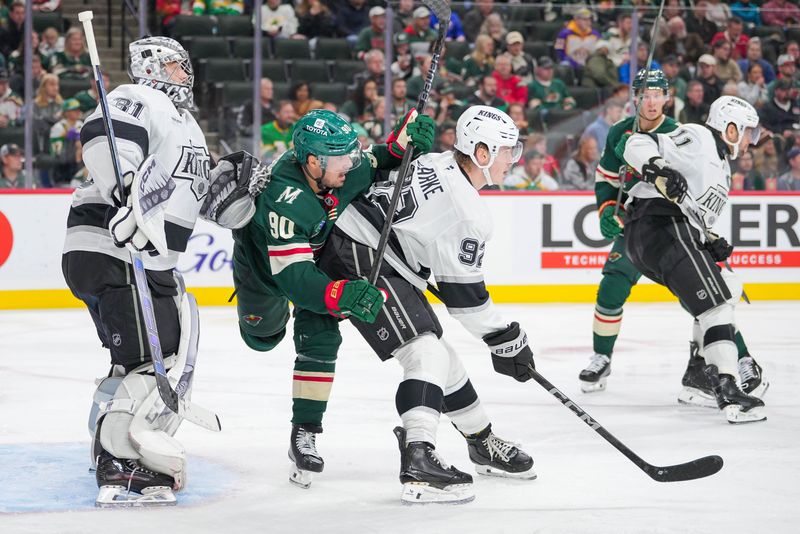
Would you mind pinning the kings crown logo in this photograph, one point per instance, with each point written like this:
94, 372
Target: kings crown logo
193, 166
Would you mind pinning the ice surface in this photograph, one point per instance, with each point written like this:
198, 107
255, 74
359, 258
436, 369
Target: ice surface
238, 478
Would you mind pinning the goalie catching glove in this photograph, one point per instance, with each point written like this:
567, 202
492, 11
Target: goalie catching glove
234, 184
669, 182
354, 298
419, 129
511, 354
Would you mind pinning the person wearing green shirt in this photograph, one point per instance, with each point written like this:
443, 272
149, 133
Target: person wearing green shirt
302, 194
619, 274
276, 135
88, 97
217, 7
546, 92
373, 35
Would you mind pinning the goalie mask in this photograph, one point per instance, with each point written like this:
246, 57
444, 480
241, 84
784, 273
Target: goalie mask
493, 128
162, 63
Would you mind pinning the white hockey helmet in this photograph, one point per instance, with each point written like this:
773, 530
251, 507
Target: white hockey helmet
731, 109
490, 126
150, 58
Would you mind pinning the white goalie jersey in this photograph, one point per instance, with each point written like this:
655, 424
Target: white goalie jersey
442, 226
691, 150
145, 122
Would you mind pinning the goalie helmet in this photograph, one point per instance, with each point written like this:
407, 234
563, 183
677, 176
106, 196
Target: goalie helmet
154, 61
727, 110
493, 128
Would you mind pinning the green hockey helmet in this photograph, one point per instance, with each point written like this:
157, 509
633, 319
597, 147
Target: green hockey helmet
654, 79
329, 137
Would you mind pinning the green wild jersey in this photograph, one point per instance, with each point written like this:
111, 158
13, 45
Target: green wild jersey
607, 173
292, 222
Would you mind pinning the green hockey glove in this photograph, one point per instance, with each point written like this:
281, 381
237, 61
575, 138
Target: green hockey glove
619, 149
420, 130
611, 225
354, 298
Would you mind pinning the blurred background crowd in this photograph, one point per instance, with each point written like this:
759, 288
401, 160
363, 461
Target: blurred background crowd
561, 70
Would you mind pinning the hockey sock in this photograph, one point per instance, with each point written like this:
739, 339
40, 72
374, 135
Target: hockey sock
605, 329
312, 381
741, 345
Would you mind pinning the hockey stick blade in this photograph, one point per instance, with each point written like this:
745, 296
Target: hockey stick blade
699, 468
199, 415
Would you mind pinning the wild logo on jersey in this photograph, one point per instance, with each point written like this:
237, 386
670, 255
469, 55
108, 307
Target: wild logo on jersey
193, 165
712, 202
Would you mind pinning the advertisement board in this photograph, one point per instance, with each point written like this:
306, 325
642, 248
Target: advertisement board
545, 247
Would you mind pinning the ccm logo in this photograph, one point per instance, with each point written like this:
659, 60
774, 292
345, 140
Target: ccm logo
6, 239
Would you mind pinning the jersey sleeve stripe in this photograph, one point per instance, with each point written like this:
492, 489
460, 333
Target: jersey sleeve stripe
457, 295
280, 262
122, 130
603, 175
289, 251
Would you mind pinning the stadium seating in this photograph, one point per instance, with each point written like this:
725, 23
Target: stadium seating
42, 21
538, 49
308, 70
193, 25
69, 88
244, 47
235, 26
292, 49
343, 71
12, 135
585, 97
328, 48
205, 47
274, 69
330, 92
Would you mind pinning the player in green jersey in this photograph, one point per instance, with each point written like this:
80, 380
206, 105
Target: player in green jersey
619, 274
277, 231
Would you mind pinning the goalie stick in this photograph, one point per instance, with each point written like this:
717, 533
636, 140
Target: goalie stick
441, 9
171, 398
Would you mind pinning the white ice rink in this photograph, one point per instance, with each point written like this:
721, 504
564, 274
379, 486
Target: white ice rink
238, 478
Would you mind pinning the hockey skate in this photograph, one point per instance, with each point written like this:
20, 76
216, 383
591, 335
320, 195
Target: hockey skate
497, 457
303, 453
593, 378
696, 384
738, 407
751, 377
126, 483
426, 478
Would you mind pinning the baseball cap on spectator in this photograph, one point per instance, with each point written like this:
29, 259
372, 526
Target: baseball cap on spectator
783, 83
785, 58
514, 37
421, 12
601, 43
708, 59
12, 149
531, 154
583, 13
70, 104
793, 153
670, 60
401, 38
377, 11
3, 75
545, 62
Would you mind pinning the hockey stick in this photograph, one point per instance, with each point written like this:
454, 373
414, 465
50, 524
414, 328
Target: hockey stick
172, 400
624, 168
441, 9
700, 468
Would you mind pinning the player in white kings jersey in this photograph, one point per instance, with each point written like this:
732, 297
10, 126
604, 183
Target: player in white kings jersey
684, 188
442, 226
138, 460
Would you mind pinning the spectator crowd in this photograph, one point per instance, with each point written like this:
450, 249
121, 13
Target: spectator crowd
561, 70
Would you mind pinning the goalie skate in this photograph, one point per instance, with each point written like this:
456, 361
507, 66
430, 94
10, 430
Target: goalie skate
306, 461
497, 457
594, 377
427, 478
120, 497
127, 483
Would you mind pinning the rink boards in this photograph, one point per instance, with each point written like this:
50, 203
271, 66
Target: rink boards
546, 247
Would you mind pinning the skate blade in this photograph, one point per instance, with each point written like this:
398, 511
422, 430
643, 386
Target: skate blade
593, 387
420, 493
696, 397
490, 471
119, 497
736, 416
301, 478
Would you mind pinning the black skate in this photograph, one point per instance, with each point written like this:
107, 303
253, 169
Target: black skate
124, 482
593, 378
697, 389
751, 378
497, 457
303, 452
426, 478
738, 407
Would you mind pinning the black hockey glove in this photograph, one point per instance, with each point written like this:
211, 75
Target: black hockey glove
669, 182
719, 247
511, 354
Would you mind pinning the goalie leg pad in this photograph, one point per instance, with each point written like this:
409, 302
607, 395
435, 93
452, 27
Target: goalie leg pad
419, 398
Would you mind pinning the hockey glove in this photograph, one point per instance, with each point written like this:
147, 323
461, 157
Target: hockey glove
127, 180
511, 354
669, 182
619, 149
354, 298
719, 247
124, 230
419, 129
611, 225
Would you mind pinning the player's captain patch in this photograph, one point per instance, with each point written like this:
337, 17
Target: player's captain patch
251, 319
312, 385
